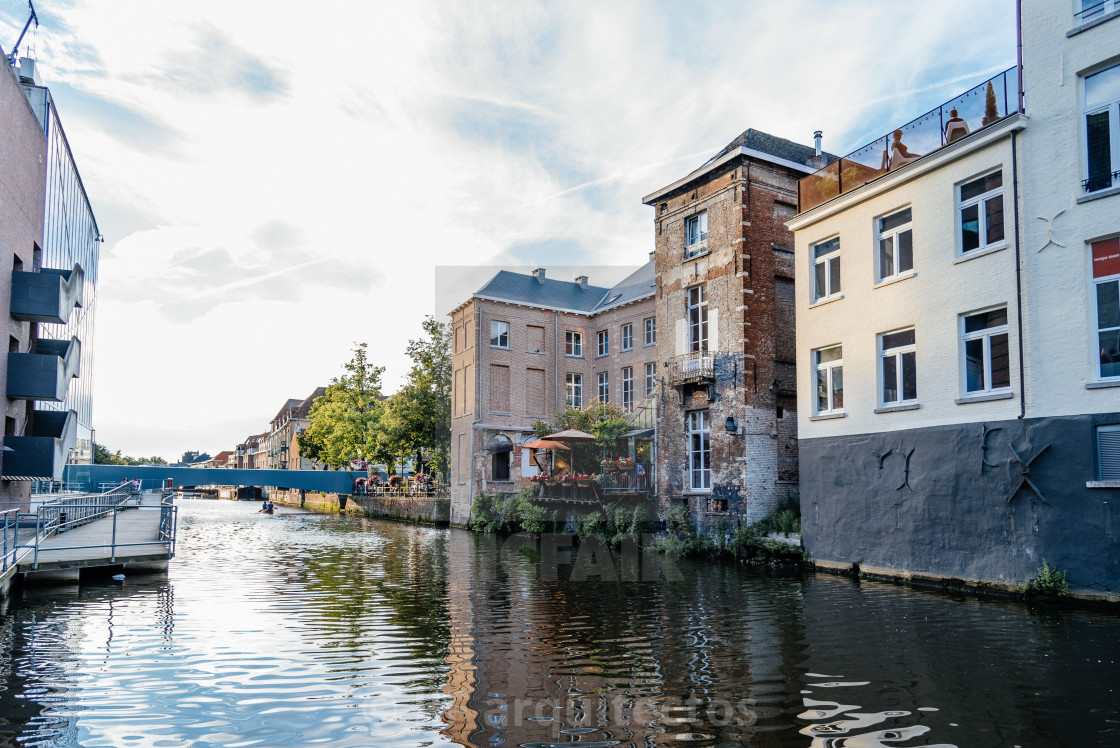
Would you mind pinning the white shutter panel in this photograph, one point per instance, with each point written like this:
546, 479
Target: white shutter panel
682, 336
713, 330
1108, 451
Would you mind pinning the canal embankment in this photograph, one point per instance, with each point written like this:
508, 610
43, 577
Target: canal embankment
422, 509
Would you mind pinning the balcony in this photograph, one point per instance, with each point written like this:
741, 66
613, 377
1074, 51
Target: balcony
692, 368
42, 453
47, 296
45, 374
958, 118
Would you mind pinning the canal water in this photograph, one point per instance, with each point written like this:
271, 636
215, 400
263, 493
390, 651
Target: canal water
303, 629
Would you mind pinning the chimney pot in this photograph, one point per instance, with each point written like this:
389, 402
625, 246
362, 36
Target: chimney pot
539, 275
582, 281
817, 141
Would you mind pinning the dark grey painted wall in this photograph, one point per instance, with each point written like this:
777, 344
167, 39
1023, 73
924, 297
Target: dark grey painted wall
943, 511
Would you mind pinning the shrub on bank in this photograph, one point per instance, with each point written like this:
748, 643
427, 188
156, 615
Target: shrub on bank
516, 513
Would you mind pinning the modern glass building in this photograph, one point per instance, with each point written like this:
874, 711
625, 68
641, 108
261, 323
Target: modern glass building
70, 237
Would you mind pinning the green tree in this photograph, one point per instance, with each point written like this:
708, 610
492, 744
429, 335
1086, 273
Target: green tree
345, 421
102, 456
418, 417
605, 421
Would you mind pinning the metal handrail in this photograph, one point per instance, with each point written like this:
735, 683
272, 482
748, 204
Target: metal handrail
10, 538
59, 516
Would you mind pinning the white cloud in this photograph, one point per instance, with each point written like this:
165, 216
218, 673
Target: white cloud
275, 186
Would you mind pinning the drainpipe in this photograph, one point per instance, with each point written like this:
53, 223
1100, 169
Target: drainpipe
1018, 274
555, 362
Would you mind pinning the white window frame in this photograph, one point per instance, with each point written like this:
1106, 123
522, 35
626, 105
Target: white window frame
1112, 108
699, 451
894, 236
1090, 10
573, 344
1097, 329
697, 316
831, 371
628, 388
603, 387
651, 330
986, 335
826, 260
651, 378
696, 234
980, 202
502, 331
897, 354
602, 343
627, 336
573, 390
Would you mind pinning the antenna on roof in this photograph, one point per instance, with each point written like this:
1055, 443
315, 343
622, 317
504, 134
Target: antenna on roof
15, 47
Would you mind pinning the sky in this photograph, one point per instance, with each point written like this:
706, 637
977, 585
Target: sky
278, 181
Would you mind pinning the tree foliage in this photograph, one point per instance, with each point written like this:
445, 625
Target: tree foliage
102, 456
345, 421
418, 417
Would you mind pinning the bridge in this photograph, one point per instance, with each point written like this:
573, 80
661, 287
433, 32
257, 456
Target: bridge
92, 477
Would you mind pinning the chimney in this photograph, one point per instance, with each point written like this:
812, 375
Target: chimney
582, 281
539, 275
817, 141
28, 72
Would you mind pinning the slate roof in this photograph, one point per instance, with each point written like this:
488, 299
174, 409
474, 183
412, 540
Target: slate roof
775, 146
304, 409
288, 407
521, 288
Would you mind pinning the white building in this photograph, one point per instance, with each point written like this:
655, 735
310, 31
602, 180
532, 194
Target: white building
957, 323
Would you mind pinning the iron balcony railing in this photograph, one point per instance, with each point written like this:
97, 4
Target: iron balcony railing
698, 366
1093, 11
973, 110
1100, 181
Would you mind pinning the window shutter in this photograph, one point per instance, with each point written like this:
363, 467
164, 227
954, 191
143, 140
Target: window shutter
1108, 452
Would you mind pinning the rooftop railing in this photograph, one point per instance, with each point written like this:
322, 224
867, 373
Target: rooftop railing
957, 118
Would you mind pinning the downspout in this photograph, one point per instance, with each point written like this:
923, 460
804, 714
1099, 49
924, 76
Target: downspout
1018, 275
555, 362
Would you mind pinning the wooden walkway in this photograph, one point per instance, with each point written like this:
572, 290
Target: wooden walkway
136, 536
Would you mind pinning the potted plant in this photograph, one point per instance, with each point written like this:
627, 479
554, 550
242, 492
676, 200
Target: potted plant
567, 479
583, 481
625, 463
609, 465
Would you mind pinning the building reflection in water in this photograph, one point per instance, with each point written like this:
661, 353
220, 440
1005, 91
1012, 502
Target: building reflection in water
612, 662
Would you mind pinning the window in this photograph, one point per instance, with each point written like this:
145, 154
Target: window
1091, 10
651, 331
500, 466
826, 269
1106, 310
699, 451
627, 336
602, 348
628, 388
695, 234
1108, 452
697, 319
829, 366
1102, 129
573, 343
651, 378
981, 212
604, 389
987, 361
898, 367
896, 244
499, 334
573, 387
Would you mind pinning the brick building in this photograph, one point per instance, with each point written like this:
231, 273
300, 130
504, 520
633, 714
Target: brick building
727, 431
524, 348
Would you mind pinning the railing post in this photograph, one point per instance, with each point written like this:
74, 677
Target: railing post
113, 549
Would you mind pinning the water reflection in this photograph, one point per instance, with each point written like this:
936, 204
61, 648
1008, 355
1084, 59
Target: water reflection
299, 629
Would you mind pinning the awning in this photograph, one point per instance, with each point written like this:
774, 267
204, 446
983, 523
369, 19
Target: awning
637, 433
